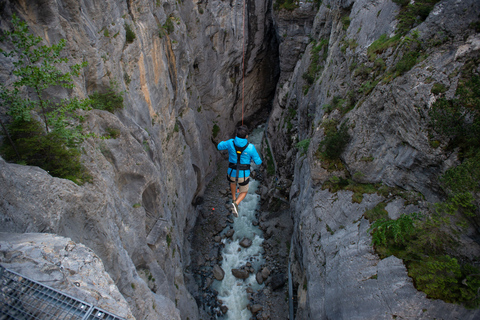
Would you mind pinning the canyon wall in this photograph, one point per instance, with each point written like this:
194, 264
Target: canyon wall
181, 82
336, 271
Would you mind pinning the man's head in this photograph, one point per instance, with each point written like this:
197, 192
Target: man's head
242, 131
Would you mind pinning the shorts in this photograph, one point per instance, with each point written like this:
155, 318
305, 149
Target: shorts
242, 189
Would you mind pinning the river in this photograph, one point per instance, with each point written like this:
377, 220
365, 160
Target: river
233, 291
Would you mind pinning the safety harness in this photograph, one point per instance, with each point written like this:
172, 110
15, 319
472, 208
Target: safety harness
238, 166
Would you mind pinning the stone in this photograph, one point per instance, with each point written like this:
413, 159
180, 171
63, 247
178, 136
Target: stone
246, 242
218, 272
256, 308
240, 274
259, 277
265, 273
224, 309
229, 233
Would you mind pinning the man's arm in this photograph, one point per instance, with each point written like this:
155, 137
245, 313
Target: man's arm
222, 145
255, 157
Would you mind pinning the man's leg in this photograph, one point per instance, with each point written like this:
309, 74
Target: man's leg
233, 189
241, 196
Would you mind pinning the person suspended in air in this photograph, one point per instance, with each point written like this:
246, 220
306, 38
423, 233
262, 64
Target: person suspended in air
241, 153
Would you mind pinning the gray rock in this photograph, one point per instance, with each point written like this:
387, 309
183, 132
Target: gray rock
218, 272
256, 308
246, 242
259, 277
229, 233
265, 273
240, 274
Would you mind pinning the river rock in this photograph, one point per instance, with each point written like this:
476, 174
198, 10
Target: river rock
246, 242
224, 309
256, 308
229, 233
259, 277
218, 272
239, 273
265, 273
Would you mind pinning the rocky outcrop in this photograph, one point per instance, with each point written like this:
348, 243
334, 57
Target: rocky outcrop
180, 79
66, 266
337, 273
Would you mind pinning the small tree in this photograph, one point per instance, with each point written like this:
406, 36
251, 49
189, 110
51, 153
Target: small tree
36, 68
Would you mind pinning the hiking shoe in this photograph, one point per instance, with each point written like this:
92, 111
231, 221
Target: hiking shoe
235, 209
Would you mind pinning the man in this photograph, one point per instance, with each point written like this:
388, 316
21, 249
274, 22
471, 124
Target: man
241, 153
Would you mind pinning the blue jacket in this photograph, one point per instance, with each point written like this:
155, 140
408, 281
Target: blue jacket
249, 154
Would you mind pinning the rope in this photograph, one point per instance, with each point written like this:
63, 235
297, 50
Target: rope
243, 61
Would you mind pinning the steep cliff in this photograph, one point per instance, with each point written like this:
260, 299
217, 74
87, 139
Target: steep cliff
356, 110
180, 74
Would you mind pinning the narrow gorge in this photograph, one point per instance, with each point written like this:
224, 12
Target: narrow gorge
367, 115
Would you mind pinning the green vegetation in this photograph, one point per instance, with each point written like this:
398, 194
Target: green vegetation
288, 5
41, 131
168, 26
439, 88
377, 212
109, 101
215, 130
458, 119
319, 54
270, 163
342, 105
112, 133
382, 44
345, 22
427, 242
335, 140
413, 13
422, 243
129, 34
303, 145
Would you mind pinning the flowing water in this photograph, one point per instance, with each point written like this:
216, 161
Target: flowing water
233, 291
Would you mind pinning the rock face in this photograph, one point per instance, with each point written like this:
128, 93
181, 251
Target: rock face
66, 266
337, 272
181, 78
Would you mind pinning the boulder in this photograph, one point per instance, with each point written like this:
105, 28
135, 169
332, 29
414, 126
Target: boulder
246, 242
259, 277
218, 272
239, 273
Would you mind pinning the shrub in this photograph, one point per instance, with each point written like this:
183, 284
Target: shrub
334, 142
413, 13
382, 44
50, 144
438, 88
109, 101
215, 130
376, 213
129, 34
303, 145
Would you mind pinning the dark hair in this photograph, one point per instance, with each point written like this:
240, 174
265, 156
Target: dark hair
242, 131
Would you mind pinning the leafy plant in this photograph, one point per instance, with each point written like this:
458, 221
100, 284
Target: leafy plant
129, 34
110, 101
413, 13
303, 145
334, 142
42, 130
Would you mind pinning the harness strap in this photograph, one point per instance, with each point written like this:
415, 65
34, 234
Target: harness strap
238, 166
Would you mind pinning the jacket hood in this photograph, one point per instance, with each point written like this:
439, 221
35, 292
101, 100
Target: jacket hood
240, 142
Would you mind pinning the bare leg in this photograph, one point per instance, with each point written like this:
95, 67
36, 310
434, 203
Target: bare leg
233, 189
241, 196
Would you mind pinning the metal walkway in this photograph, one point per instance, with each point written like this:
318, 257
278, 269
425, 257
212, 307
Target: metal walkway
24, 299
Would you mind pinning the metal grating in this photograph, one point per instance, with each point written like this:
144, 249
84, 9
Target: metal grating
22, 298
